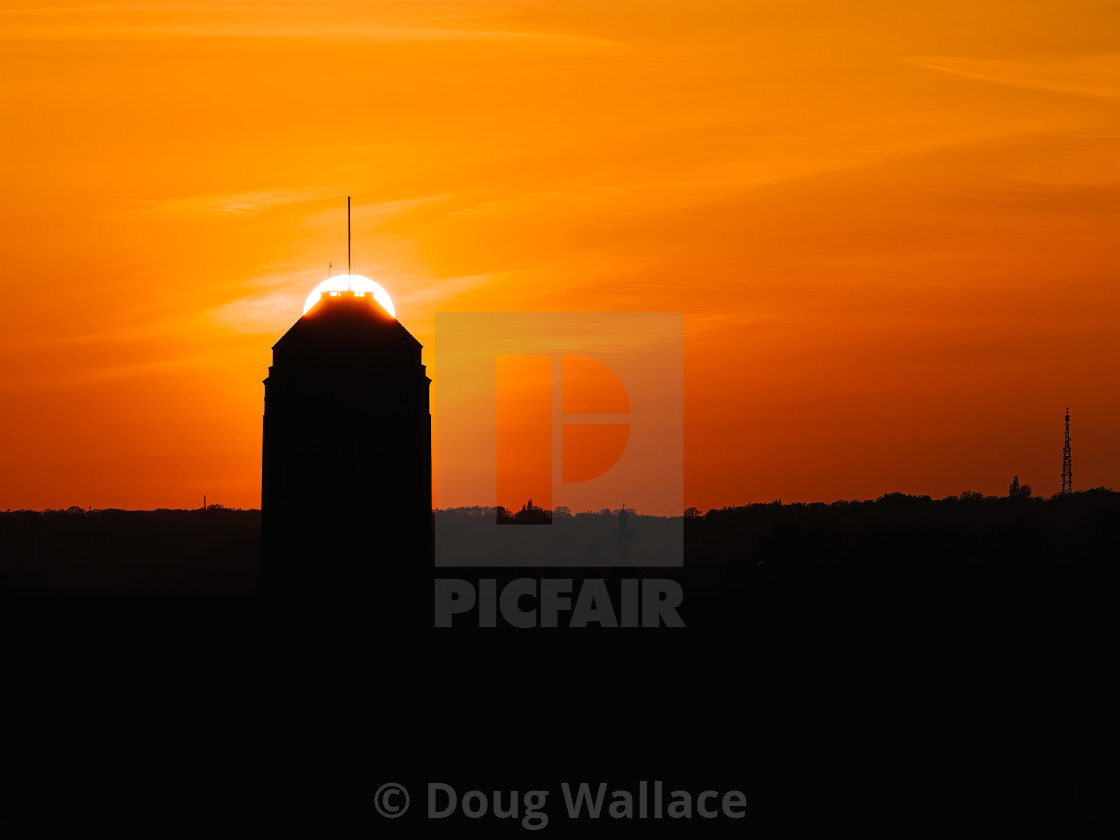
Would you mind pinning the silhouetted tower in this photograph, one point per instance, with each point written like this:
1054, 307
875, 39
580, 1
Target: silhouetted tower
1067, 463
346, 493
623, 537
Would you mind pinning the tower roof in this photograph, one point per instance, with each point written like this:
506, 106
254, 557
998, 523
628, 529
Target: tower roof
346, 327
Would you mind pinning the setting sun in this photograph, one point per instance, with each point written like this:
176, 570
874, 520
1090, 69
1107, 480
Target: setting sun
350, 282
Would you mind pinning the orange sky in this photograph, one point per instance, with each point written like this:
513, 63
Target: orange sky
892, 228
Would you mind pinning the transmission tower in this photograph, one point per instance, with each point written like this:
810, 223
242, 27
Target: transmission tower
1067, 463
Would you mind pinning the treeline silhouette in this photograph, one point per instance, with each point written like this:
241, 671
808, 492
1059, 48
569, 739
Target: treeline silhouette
896, 660
961, 548
1035, 562
206, 551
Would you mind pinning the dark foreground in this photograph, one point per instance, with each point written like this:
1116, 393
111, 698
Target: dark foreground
887, 668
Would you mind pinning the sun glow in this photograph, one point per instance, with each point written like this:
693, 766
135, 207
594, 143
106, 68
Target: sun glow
355, 282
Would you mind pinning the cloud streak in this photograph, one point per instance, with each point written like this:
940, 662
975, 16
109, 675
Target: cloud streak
233, 204
385, 21
1098, 77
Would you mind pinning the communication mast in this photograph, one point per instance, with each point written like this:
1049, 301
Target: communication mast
1067, 463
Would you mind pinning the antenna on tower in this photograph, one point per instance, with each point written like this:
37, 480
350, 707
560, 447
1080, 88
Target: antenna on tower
1067, 462
348, 270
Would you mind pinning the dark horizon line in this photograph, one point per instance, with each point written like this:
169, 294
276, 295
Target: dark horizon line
691, 510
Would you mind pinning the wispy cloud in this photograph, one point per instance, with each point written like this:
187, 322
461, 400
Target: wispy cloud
150, 368
272, 310
366, 213
247, 203
1073, 162
1096, 76
236, 204
386, 20
431, 295
263, 312
140, 330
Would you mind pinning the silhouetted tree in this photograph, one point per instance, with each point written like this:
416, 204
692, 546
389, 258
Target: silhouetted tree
1019, 491
531, 513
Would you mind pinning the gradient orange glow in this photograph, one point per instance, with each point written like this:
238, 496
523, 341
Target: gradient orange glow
891, 227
